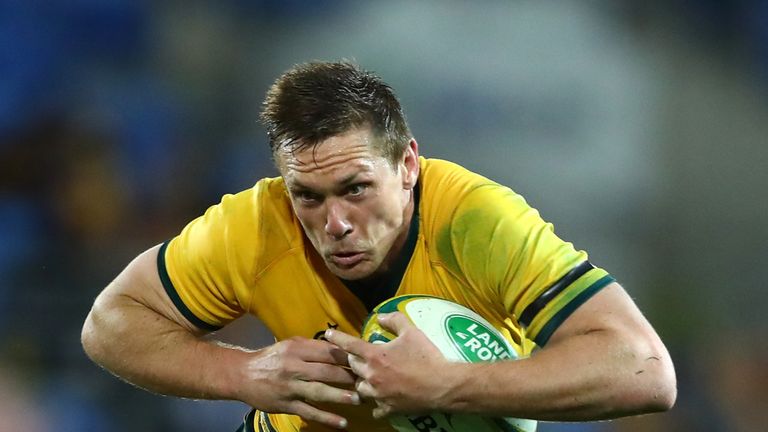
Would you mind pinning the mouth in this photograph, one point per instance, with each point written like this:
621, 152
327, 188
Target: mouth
346, 259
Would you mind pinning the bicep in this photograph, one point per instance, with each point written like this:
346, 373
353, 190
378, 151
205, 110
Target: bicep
610, 310
139, 285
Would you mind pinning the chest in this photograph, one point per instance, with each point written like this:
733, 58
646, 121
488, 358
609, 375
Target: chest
299, 297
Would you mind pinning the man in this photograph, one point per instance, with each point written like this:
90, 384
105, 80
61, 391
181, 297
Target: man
355, 218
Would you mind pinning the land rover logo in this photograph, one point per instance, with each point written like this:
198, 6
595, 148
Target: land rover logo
476, 342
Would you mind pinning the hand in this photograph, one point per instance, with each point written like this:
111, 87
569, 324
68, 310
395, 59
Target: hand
406, 375
293, 375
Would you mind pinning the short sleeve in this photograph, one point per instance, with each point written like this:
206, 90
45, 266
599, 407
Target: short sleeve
205, 269
504, 246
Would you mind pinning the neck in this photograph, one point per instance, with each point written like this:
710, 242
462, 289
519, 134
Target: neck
402, 236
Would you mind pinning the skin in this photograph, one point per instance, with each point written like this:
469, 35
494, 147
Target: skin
359, 202
605, 361
286, 377
355, 207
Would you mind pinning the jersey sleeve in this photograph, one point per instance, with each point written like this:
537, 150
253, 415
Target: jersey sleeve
504, 246
205, 269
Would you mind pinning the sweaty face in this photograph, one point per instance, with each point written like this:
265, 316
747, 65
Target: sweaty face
354, 205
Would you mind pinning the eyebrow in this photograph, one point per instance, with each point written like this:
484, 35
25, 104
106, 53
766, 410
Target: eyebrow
346, 181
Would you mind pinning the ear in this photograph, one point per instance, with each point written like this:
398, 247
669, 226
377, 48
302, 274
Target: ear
411, 164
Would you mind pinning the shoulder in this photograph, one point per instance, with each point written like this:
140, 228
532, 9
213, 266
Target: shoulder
257, 224
467, 217
268, 194
439, 172
265, 203
450, 192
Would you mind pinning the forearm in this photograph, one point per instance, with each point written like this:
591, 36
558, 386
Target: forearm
136, 332
587, 377
148, 350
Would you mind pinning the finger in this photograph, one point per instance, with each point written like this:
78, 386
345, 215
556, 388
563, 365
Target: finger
358, 365
381, 411
339, 356
365, 390
315, 350
396, 322
308, 412
348, 343
314, 391
326, 373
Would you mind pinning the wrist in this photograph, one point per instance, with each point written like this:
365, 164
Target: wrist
456, 388
225, 380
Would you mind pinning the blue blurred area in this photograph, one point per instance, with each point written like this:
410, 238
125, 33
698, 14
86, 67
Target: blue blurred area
637, 128
44, 43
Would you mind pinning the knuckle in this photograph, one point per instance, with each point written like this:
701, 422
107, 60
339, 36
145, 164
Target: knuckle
300, 408
379, 358
294, 393
288, 346
310, 391
287, 352
285, 368
375, 381
360, 386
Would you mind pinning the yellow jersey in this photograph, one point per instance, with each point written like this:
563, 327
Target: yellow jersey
474, 242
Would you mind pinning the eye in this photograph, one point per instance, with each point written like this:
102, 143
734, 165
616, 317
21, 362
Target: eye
357, 189
307, 197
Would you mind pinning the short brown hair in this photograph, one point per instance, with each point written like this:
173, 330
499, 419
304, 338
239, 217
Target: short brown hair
314, 101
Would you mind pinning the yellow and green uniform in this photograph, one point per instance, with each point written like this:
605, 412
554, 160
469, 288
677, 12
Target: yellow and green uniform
473, 241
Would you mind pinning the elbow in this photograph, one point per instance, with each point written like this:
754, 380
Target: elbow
650, 385
667, 401
665, 390
660, 391
88, 338
92, 338
661, 399
656, 392
98, 337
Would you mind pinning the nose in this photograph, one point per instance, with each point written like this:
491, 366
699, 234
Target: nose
337, 223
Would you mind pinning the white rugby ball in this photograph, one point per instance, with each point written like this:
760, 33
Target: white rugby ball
462, 336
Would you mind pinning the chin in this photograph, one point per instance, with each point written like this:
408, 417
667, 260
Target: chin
351, 275
356, 273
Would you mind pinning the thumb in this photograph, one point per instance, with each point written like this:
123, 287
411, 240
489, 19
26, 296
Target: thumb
395, 322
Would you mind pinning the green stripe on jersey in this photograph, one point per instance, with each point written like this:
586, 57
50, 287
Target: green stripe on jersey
567, 310
174, 295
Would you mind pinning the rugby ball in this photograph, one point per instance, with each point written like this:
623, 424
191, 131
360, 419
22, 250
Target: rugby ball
462, 336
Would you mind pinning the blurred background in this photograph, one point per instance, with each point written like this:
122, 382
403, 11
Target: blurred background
640, 129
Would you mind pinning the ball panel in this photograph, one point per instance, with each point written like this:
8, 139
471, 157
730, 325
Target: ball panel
462, 336
477, 341
444, 423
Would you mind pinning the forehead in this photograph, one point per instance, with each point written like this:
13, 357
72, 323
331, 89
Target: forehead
338, 156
